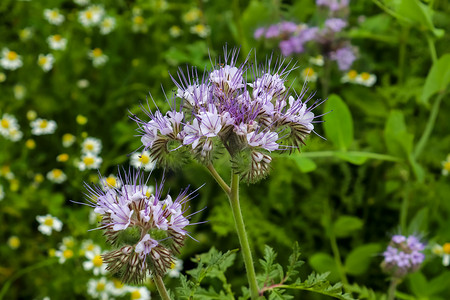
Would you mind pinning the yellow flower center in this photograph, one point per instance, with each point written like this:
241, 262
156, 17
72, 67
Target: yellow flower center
48, 222
90, 247
12, 55
14, 242
308, 72
80, 118
54, 14
88, 161
145, 159
30, 144
365, 75
88, 15
57, 173
111, 181
90, 147
97, 52
352, 74
172, 265
68, 253
38, 178
57, 37
5, 123
447, 165
67, 137
138, 20
97, 260
117, 283
199, 28
446, 248
63, 157
135, 294
100, 286
43, 124
42, 60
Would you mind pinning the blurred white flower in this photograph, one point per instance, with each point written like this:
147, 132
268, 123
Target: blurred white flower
46, 61
142, 160
48, 223
107, 25
56, 176
53, 16
97, 57
43, 126
57, 42
10, 60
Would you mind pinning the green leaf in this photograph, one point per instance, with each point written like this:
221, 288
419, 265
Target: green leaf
398, 141
358, 261
439, 284
353, 158
419, 222
304, 164
346, 226
338, 122
420, 15
438, 78
418, 284
322, 263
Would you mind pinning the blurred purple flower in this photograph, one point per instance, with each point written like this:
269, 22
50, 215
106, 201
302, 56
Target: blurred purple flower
344, 57
335, 24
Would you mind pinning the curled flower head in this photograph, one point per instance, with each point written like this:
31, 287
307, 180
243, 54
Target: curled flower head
147, 228
403, 255
243, 109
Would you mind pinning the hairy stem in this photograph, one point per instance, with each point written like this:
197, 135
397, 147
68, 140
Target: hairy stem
392, 288
242, 234
219, 179
161, 287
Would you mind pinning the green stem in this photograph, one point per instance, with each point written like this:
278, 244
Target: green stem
432, 48
237, 20
404, 209
429, 127
337, 258
23, 271
326, 77
355, 153
161, 287
242, 234
219, 179
392, 288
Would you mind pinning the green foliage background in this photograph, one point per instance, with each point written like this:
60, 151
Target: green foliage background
378, 172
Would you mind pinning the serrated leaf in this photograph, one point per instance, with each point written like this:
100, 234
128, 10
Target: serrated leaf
438, 78
338, 123
345, 226
358, 260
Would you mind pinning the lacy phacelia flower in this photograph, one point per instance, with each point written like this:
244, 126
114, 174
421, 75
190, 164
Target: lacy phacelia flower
147, 229
48, 223
57, 42
53, 16
249, 117
43, 126
403, 256
10, 60
46, 61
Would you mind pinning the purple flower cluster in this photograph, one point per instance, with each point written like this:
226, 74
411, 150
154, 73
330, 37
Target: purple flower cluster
244, 109
299, 38
148, 228
403, 255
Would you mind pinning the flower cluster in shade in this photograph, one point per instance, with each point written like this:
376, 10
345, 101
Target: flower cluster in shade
246, 110
303, 38
147, 228
403, 255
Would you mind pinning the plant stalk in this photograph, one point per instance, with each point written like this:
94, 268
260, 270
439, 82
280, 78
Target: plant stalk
161, 287
242, 234
219, 179
392, 288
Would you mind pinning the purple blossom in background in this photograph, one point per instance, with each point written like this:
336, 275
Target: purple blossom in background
333, 5
403, 256
344, 57
249, 116
335, 24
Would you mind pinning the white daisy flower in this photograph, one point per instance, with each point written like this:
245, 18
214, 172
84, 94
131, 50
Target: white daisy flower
444, 252
192, 16
366, 79
98, 288
91, 145
81, 2
89, 161
139, 24
139, 293
117, 288
2, 193
309, 74
68, 242
175, 31
46, 61
56, 176
10, 60
95, 263
91, 16
318, 60
107, 25
53, 16
15, 135
175, 268
89, 246
43, 126
25, 34
2, 77
83, 83
57, 42
446, 166
5, 171
350, 77
111, 182
20, 91
200, 30
68, 140
142, 160
97, 56
48, 223
7, 123
94, 217
64, 253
